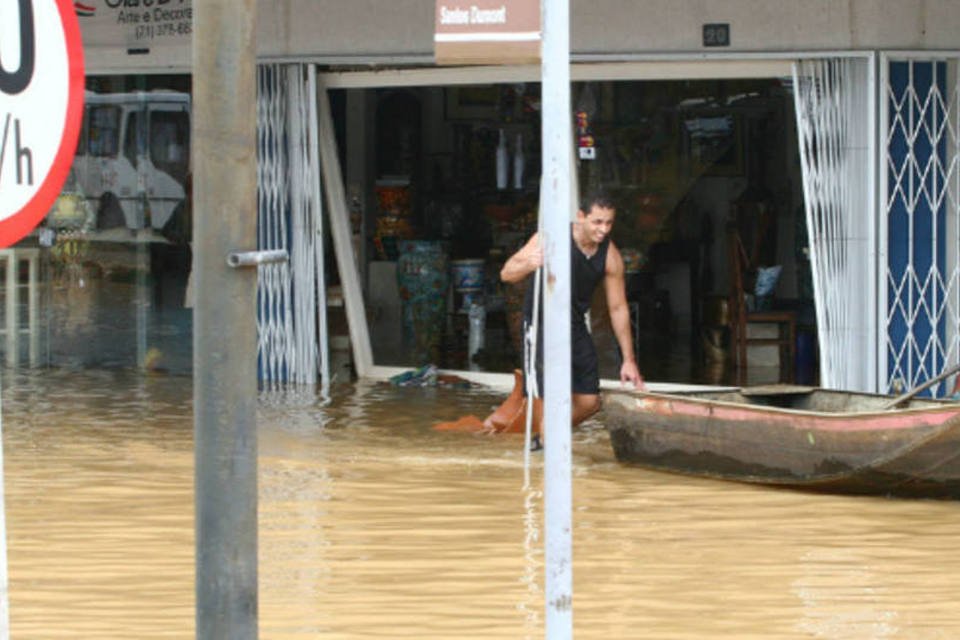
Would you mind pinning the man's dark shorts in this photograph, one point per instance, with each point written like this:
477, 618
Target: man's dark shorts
584, 364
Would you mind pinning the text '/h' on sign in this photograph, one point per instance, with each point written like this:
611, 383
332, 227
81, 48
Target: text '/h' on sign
19, 152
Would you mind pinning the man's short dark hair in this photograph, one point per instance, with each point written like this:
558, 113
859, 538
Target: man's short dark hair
596, 197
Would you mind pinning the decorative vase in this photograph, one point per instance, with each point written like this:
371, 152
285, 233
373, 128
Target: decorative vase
518, 163
468, 282
423, 280
70, 212
502, 162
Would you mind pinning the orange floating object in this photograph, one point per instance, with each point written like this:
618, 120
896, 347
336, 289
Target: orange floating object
469, 424
509, 417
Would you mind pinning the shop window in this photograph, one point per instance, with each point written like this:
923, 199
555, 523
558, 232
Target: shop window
109, 283
131, 141
169, 142
103, 131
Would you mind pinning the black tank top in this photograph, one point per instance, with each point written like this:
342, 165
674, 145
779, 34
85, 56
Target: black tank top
586, 275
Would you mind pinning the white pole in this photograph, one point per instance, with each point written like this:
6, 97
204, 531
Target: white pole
4, 582
556, 213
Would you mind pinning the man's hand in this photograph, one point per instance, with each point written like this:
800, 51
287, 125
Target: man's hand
630, 373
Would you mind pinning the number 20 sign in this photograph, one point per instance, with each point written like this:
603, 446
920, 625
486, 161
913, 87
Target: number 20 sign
41, 106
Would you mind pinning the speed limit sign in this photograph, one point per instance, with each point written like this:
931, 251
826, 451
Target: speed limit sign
41, 106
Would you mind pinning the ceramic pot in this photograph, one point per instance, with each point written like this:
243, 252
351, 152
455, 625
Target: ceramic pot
467, 279
423, 280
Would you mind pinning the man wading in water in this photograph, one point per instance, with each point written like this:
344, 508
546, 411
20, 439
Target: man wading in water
593, 258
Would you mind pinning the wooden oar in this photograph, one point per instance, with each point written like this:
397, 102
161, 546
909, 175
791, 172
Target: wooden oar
776, 390
896, 402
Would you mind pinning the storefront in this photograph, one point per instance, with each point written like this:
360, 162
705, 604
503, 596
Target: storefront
426, 169
683, 158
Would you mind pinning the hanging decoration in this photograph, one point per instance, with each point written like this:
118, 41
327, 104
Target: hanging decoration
518, 163
586, 148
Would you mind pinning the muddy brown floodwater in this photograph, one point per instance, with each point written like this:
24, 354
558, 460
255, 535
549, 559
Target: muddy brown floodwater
372, 525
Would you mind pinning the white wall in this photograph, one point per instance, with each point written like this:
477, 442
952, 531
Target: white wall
405, 27
401, 31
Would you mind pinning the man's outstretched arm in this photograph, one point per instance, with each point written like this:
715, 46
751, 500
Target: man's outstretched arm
616, 291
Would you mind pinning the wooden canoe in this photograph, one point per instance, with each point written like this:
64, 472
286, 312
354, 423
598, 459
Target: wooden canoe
800, 437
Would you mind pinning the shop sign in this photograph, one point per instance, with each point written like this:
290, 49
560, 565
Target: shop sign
487, 32
41, 105
137, 25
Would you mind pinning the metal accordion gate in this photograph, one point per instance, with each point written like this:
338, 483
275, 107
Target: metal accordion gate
291, 305
919, 230
834, 109
879, 140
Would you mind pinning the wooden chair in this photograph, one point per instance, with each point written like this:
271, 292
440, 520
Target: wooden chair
743, 273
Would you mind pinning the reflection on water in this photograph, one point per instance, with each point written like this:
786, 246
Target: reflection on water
373, 525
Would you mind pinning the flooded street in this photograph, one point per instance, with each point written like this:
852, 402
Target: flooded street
373, 525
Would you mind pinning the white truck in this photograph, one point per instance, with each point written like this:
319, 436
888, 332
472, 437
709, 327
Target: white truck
133, 156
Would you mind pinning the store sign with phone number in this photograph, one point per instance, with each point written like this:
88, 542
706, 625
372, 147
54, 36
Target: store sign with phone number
41, 106
135, 24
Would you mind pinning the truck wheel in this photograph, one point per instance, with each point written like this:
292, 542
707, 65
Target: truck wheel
110, 213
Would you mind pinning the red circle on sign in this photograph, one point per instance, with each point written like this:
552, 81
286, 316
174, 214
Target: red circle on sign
23, 221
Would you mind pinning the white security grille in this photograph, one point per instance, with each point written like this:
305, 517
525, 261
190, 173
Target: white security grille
289, 215
920, 183
833, 106
274, 316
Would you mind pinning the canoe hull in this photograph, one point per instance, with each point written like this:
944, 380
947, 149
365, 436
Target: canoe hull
915, 451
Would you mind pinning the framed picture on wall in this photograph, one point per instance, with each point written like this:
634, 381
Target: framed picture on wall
712, 145
472, 102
